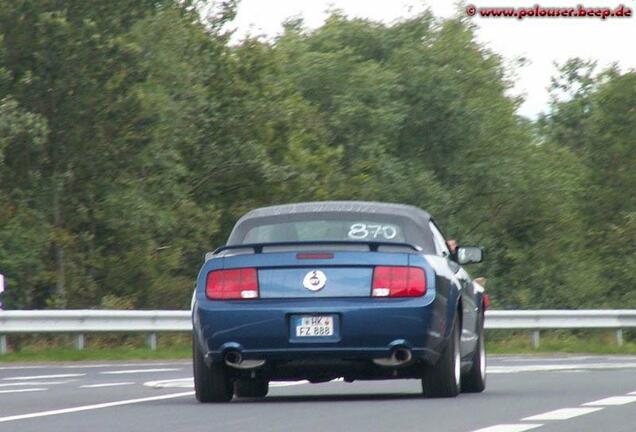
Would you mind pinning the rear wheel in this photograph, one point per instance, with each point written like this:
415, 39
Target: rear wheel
475, 380
444, 378
251, 388
211, 384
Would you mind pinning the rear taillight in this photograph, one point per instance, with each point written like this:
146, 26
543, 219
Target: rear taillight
232, 284
398, 282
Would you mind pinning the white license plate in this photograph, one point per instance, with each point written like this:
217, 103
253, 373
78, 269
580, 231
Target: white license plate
314, 325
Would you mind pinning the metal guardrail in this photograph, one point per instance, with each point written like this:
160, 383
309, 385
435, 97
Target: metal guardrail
560, 319
80, 322
72, 321
537, 320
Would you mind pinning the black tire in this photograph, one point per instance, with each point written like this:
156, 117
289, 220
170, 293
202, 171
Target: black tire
251, 388
211, 384
474, 381
444, 378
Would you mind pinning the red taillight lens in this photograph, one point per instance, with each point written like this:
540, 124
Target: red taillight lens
398, 282
232, 284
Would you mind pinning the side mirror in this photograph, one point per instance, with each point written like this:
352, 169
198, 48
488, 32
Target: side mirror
469, 254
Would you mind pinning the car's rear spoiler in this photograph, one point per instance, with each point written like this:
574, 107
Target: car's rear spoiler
373, 245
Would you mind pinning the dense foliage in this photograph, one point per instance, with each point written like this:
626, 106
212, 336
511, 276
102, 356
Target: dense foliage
133, 134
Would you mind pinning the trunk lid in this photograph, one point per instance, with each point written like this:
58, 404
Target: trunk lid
344, 274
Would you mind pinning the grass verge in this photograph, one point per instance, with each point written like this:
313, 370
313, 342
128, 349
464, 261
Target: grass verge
556, 341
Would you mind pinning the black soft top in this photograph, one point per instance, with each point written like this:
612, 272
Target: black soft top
416, 218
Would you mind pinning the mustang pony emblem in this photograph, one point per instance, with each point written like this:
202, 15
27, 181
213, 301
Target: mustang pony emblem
315, 280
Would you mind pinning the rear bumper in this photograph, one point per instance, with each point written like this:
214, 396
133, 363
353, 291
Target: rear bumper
368, 328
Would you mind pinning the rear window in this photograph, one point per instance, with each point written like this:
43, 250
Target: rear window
333, 226
354, 229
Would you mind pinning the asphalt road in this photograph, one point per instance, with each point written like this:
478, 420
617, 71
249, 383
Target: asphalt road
547, 394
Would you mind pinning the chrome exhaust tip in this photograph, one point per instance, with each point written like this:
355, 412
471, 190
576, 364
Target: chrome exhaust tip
402, 355
399, 357
234, 359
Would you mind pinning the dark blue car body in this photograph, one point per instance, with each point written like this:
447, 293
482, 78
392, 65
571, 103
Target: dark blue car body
242, 344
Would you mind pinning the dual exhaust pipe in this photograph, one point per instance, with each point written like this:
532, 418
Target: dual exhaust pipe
399, 357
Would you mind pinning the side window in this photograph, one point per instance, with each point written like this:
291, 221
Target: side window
440, 243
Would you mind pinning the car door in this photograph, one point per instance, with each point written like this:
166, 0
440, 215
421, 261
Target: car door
470, 310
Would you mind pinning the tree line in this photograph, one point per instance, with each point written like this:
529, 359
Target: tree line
133, 134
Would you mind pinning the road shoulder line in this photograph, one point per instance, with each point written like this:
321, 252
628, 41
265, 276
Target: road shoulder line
93, 407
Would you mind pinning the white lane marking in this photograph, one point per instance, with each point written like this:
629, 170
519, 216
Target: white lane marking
559, 367
189, 383
171, 383
34, 383
561, 357
117, 384
288, 383
22, 390
93, 407
115, 365
615, 400
509, 428
137, 371
92, 366
546, 359
43, 377
21, 367
561, 414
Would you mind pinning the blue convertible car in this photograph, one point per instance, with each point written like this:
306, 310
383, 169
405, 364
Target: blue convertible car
325, 290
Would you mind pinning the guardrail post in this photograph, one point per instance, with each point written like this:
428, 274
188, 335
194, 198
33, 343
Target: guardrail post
151, 341
3, 344
619, 337
79, 341
535, 339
